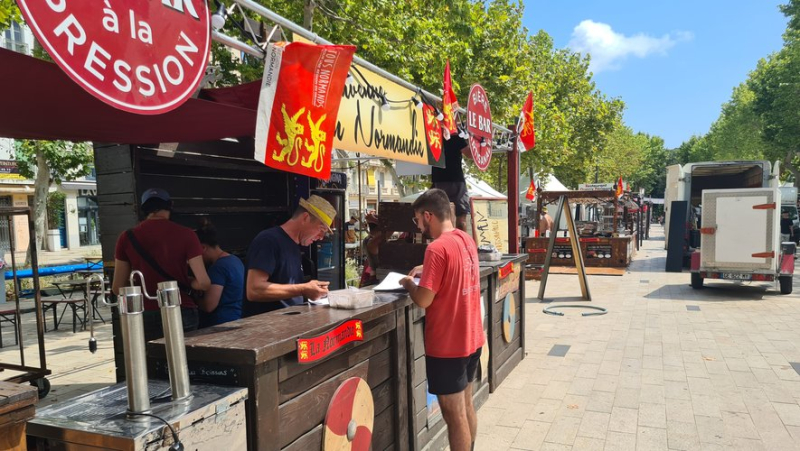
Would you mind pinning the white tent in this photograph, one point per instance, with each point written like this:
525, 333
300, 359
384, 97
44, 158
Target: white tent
475, 188
551, 183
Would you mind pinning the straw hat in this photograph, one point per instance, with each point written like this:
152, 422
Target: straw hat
320, 209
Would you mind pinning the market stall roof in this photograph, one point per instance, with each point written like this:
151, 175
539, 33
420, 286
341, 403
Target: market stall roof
41, 102
578, 197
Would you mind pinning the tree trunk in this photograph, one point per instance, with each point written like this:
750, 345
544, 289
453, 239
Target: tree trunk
41, 187
308, 14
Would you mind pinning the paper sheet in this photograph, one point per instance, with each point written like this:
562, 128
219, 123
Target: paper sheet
320, 301
392, 282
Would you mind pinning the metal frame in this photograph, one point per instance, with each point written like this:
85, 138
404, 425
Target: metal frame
29, 373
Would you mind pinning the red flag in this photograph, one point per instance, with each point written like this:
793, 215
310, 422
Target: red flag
297, 108
449, 102
619, 187
526, 133
531, 194
433, 131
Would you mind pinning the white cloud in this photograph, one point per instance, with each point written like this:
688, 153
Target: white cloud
609, 48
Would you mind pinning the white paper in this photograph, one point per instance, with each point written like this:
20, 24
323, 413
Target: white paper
392, 282
320, 301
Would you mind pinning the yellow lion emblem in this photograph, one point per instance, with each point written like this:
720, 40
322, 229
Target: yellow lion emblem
316, 150
292, 143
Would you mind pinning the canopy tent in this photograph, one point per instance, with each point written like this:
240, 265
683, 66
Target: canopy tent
475, 188
551, 183
42, 102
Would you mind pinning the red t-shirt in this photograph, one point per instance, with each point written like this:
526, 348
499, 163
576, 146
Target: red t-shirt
453, 325
170, 245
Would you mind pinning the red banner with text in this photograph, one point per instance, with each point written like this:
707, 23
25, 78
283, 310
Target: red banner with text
316, 348
300, 95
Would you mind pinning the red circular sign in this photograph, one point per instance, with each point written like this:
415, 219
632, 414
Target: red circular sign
479, 126
144, 57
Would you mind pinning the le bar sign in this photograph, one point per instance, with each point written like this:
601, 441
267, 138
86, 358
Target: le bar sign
479, 126
315, 348
144, 57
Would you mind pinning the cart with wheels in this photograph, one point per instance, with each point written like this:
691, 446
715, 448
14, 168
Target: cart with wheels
22, 372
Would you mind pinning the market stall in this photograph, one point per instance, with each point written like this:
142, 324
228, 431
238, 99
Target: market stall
605, 241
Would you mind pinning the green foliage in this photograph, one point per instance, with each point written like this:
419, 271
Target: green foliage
9, 12
485, 43
55, 207
65, 160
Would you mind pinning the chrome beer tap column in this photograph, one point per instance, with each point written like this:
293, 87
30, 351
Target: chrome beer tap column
130, 303
169, 299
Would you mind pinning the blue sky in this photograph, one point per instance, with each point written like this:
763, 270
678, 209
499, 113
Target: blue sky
674, 63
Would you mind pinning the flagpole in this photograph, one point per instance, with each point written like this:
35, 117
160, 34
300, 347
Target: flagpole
513, 197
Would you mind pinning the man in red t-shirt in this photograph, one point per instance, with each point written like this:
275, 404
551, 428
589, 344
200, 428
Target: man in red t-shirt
174, 248
449, 290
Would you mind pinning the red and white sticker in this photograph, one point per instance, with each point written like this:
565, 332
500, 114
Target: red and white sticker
145, 57
479, 126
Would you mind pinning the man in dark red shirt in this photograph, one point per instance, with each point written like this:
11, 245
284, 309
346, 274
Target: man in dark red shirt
174, 248
449, 290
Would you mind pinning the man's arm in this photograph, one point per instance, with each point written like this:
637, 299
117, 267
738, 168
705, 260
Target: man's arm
211, 298
260, 289
421, 296
122, 270
200, 281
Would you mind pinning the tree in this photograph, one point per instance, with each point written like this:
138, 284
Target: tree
50, 162
8, 13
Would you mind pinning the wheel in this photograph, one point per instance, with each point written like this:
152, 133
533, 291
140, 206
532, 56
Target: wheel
697, 281
43, 385
786, 284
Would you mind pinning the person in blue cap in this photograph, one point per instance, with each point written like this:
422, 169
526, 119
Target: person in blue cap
162, 250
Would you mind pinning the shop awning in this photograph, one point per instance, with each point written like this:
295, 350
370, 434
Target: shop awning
41, 102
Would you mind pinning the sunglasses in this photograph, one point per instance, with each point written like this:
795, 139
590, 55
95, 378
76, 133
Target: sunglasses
414, 219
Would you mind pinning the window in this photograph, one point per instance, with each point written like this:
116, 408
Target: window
15, 39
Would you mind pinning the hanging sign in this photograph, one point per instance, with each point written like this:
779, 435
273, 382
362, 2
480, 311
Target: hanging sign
300, 95
316, 348
144, 57
479, 126
364, 125
433, 131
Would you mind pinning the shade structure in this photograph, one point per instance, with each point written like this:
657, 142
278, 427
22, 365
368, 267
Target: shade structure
41, 102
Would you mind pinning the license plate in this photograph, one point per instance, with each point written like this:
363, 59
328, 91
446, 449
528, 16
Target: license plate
736, 276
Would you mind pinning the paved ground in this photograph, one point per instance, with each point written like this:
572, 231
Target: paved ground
652, 374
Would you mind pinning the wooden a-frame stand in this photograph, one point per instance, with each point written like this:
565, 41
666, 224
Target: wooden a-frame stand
572, 232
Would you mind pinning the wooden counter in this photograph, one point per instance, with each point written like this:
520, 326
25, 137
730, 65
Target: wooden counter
597, 251
288, 400
16, 408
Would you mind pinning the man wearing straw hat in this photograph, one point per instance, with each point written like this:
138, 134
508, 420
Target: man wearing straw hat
274, 262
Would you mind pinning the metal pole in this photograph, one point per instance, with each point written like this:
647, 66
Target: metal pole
361, 213
131, 305
16, 290
169, 299
513, 198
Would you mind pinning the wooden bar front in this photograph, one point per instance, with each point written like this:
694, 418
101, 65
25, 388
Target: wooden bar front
597, 251
287, 400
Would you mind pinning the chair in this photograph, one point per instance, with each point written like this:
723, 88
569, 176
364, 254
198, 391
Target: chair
8, 316
75, 304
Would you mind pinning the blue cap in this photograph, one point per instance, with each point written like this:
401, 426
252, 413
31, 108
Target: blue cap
155, 193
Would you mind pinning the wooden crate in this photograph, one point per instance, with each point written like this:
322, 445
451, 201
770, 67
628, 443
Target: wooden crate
17, 406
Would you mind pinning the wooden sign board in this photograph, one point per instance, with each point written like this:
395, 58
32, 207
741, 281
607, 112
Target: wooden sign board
490, 222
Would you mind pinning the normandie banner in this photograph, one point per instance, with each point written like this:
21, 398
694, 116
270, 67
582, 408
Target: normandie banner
363, 126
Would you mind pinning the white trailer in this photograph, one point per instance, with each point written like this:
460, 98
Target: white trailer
740, 238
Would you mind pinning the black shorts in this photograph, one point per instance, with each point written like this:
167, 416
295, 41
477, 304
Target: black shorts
448, 376
457, 193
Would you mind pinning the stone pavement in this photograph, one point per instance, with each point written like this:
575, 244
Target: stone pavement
653, 374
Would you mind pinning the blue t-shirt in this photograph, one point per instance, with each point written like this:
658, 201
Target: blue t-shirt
275, 253
228, 272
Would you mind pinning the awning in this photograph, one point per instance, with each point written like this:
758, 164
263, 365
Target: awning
41, 102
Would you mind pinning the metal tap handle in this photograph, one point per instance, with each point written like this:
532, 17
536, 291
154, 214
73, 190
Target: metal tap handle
102, 281
144, 288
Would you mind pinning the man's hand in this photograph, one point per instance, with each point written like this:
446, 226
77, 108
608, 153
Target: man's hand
408, 283
315, 289
416, 271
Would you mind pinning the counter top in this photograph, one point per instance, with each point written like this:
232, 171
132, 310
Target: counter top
507, 258
264, 337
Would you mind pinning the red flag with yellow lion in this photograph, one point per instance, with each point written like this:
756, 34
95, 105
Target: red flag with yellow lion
300, 95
